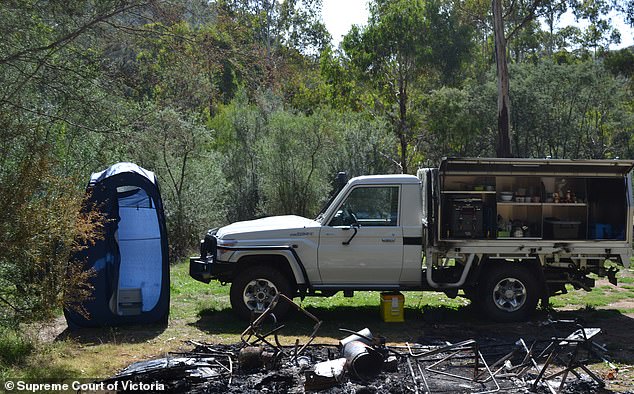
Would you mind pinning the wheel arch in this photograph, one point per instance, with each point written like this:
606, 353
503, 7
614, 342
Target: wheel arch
488, 263
282, 260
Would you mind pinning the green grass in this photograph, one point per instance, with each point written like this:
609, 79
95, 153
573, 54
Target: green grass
14, 347
602, 295
189, 297
627, 279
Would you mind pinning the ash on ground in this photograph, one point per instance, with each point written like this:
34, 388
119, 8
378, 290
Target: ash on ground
364, 363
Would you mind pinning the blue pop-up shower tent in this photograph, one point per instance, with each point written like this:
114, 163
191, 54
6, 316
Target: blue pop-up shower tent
130, 263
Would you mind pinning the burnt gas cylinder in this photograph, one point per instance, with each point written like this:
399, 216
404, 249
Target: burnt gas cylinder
362, 360
364, 336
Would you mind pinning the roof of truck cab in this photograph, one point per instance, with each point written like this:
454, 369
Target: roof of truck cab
511, 166
384, 179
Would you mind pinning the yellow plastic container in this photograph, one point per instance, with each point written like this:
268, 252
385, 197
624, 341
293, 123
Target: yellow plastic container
392, 307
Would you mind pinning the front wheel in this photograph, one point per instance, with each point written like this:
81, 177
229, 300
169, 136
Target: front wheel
509, 293
254, 289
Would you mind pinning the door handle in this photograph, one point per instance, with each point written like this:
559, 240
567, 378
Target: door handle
388, 239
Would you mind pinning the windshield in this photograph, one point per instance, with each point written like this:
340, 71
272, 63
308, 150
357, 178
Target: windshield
322, 211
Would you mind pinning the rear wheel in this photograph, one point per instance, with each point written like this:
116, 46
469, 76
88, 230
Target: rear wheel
509, 293
254, 289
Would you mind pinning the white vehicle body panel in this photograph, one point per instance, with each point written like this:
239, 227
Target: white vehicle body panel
374, 256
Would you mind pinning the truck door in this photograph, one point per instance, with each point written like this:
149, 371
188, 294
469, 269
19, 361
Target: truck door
363, 242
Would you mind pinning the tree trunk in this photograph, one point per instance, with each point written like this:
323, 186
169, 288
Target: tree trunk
402, 124
503, 148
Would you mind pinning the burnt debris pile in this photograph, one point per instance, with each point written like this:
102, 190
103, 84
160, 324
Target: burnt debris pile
364, 363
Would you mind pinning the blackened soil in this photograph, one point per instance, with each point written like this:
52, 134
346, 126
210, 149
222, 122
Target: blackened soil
449, 371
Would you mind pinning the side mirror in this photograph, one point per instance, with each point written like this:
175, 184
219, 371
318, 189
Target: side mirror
344, 217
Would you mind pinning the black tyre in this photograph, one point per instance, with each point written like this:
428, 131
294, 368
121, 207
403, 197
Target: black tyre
509, 292
470, 292
254, 288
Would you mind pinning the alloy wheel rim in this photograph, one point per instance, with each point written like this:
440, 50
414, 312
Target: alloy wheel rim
509, 294
259, 294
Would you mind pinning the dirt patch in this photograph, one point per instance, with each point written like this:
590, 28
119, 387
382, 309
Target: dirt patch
626, 304
47, 332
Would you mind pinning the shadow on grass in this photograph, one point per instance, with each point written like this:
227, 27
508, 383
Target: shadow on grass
113, 335
223, 321
59, 373
439, 324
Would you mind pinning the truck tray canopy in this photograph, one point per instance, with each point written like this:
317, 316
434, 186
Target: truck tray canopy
508, 199
561, 167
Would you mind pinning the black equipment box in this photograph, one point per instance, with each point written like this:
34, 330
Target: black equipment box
466, 219
559, 229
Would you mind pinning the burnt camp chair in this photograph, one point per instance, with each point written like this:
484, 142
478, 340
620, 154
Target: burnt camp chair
572, 352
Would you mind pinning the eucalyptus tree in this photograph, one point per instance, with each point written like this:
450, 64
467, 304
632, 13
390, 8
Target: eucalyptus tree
404, 46
276, 24
277, 32
509, 18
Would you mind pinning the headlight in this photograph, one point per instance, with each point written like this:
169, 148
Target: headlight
226, 243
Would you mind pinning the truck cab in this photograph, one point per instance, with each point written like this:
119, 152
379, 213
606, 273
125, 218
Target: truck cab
368, 238
371, 235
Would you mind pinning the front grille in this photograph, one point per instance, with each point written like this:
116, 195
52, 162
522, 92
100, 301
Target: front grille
208, 244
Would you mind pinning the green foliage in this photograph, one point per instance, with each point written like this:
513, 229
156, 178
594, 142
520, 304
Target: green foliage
52, 116
40, 226
175, 146
277, 161
341, 90
14, 347
283, 24
365, 145
237, 128
570, 111
404, 43
295, 153
191, 69
620, 63
461, 121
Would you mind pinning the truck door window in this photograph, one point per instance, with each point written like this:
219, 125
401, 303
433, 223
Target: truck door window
369, 206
